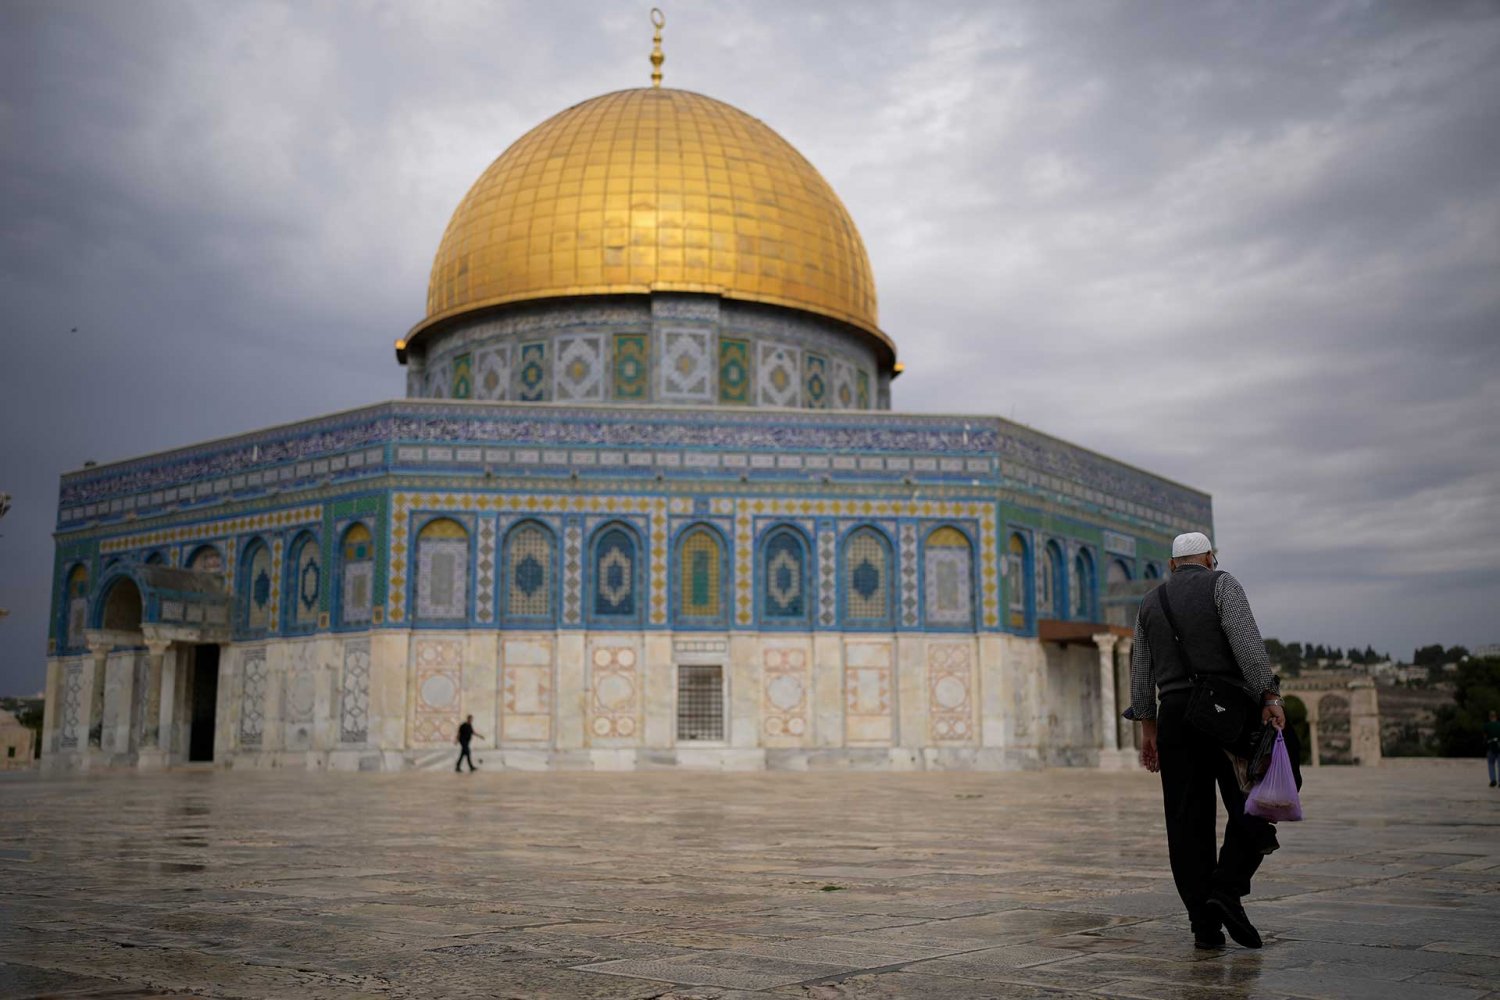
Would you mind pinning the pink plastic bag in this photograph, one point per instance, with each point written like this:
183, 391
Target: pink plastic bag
1275, 796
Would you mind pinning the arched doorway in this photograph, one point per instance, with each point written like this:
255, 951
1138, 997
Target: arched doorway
1333, 730
122, 607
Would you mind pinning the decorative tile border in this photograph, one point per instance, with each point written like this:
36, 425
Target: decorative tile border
211, 530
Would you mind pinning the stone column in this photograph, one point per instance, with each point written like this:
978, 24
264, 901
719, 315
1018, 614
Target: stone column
156, 650
1124, 729
100, 652
1312, 735
1106, 738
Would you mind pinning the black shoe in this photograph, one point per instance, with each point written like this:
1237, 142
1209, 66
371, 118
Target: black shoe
1492, 784
1236, 922
1208, 939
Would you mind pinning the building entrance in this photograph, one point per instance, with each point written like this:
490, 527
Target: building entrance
205, 700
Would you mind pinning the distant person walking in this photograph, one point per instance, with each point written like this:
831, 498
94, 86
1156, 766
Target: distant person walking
1218, 635
1492, 745
465, 734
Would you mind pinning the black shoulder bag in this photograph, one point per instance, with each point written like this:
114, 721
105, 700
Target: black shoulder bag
1221, 708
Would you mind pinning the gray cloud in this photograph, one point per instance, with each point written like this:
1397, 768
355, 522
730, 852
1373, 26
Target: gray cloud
1252, 248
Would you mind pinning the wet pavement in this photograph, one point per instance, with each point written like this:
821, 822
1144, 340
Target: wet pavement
692, 885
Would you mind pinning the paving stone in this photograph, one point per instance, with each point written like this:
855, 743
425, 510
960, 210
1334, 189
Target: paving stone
733, 969
696, 886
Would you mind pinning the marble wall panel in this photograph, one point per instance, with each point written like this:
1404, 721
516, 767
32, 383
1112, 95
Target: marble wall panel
527, 690
253, 679
70, 723
354, 693
950, 692
614, 693
786, 694
437, 697
299, 697
869, 697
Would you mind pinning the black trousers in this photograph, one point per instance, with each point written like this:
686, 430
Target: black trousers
1194, 771
463, 755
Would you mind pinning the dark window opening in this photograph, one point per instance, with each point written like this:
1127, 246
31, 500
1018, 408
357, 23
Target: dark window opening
700, 703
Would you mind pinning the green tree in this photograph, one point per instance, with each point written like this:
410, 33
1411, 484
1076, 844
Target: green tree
1428, 656
1460, 726
1371, 656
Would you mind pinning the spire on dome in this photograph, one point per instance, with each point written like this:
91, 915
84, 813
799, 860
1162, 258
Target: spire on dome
660, 20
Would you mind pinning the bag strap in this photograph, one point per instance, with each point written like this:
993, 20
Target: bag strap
1166, 609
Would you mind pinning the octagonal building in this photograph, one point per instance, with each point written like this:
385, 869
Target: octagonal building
645, 504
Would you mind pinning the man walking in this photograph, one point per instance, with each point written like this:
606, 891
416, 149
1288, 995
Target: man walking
1218, 635
465, 734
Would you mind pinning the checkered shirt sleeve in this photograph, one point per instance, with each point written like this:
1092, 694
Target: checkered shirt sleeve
1244, 635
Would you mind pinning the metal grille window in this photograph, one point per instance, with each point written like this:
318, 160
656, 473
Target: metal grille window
700, 703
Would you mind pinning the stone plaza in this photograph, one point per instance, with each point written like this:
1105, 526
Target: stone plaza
685, 884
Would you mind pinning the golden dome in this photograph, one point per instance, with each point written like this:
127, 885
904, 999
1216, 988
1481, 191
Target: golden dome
653, 190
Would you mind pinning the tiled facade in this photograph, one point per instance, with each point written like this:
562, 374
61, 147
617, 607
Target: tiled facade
512, 562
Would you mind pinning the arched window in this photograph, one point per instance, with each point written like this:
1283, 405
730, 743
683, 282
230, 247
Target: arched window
442, 571
529, 549
949, 580
121, 606
155, 558
616, 578
304, 585
254, 588
206, 559
76, 607
1051, 588
357, 554
867, 579
1017, 580
784, 597
1153, 571
700, 581
1081, 586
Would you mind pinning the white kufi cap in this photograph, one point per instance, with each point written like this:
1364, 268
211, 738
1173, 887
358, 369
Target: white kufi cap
1194, 543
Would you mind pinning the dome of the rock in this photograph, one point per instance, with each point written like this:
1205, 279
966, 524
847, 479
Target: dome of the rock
653, 190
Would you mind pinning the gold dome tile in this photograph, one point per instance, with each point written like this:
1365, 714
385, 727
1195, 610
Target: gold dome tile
652, 190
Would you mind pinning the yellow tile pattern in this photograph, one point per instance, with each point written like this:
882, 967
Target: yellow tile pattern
653, 189
276, 570
214, 529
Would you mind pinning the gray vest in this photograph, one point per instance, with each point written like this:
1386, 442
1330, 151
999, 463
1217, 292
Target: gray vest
1192, 593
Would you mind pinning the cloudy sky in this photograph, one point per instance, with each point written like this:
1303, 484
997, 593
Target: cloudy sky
1253, 247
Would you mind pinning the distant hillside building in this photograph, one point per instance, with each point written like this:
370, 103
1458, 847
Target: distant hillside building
645, 504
